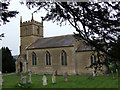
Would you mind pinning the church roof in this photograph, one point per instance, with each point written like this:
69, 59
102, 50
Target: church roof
53, 42
85, 47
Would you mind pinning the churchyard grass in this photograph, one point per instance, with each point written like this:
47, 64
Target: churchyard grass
11, 81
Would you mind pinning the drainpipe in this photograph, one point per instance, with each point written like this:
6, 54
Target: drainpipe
27, 60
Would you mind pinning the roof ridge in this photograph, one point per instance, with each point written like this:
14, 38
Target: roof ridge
58, 36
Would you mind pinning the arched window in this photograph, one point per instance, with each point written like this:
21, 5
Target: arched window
94, 58
91, 58
34, 61
48, 58
64, 58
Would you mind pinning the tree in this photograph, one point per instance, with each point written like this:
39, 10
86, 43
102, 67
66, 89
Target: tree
8, 63
5, 14
98, 24
115, 51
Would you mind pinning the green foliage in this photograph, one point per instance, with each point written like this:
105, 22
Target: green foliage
5, 13
8, 63
116, 49
112, 67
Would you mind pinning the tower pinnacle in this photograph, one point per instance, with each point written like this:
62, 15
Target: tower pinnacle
20, 19
32, 17
42, 20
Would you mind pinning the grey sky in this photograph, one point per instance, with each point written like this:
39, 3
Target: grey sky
12, 29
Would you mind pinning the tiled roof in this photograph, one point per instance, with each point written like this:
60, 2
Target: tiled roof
58, 41
52, 42
85, 47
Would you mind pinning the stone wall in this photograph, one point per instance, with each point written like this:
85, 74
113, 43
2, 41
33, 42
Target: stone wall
21, 60
83, 60
55, 53
25, 42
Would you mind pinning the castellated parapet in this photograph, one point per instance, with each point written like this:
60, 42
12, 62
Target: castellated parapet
31, 23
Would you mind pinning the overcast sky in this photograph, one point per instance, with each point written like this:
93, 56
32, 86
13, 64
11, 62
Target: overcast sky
12, 29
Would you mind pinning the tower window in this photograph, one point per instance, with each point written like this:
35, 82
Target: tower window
64, 58
38, 31
26, 31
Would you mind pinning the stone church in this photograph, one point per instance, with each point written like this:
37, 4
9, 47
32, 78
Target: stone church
44, 55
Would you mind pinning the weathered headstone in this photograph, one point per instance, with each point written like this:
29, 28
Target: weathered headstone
117, 73
94, 74
21, 76
44, 80
53, 79
107, 74
56, 73
30, 73
65, 77
113, 75
24, 80
1, 80
91, 77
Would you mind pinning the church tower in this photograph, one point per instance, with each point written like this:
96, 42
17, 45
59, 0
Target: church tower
30, 31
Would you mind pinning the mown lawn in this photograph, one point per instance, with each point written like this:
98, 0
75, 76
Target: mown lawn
11, 81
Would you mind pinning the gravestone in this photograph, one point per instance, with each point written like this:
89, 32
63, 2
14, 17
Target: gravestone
91, 77
30, 73
107, 74
56, 73
24, 80
44, 80
1, 80
21, 76
113, 75
94, 74
53, 79
65, 77
117, 73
